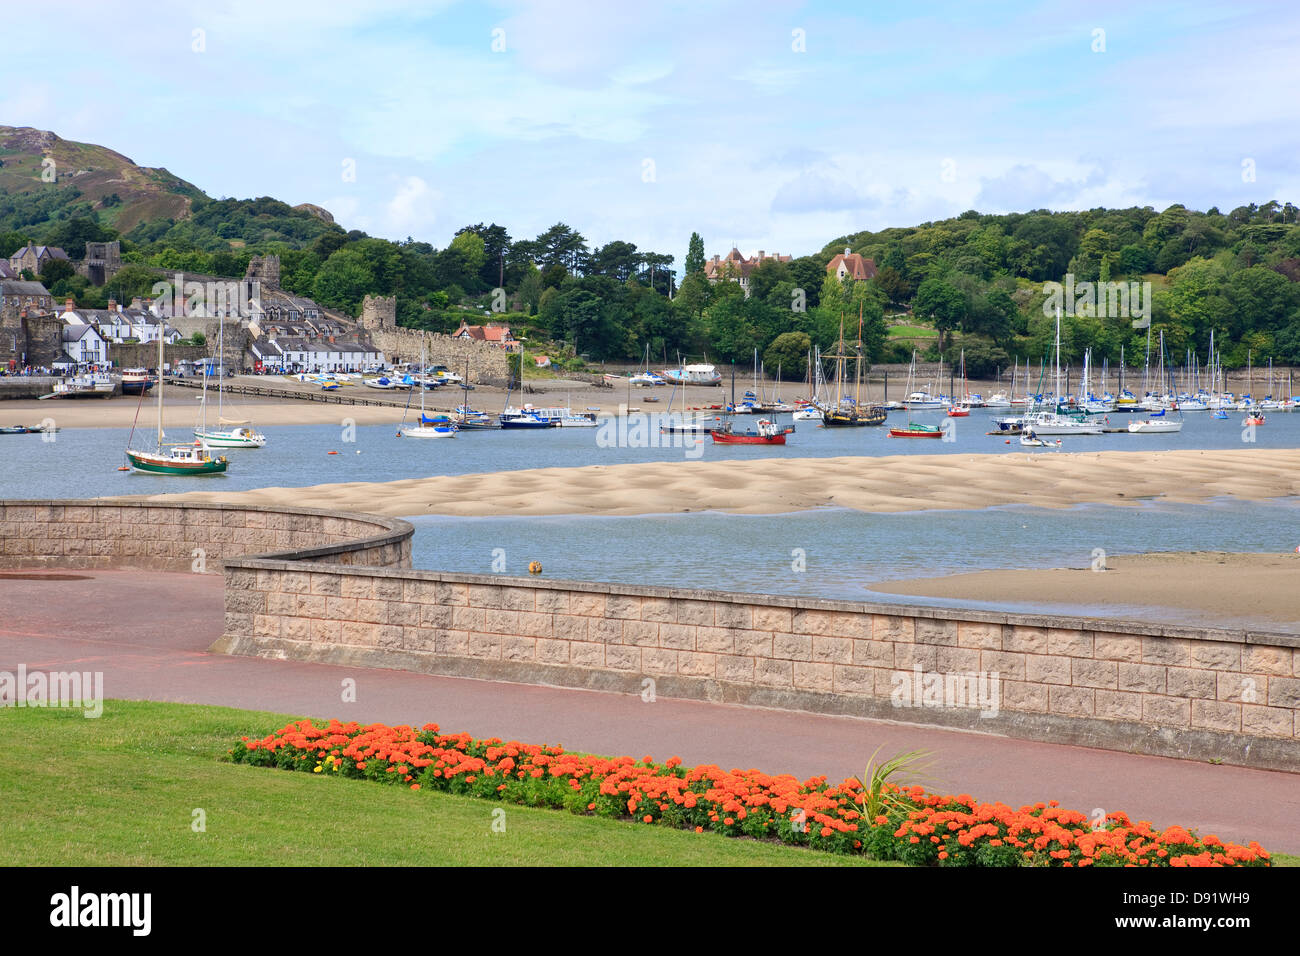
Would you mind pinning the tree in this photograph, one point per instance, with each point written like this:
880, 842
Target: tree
695, 255
496, 247
937, 300
893, 285
730, 333
343, 280
562, 245
55, 270
618, 260
788, 351
530, 289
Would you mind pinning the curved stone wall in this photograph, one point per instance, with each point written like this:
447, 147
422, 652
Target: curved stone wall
324, 586
160, 536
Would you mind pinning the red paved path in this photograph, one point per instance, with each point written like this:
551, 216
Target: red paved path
147, 633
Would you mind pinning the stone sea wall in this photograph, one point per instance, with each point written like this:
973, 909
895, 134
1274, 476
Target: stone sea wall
1180, 692
312, 585
107, 533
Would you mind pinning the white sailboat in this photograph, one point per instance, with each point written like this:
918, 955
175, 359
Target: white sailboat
230, 432
422, 430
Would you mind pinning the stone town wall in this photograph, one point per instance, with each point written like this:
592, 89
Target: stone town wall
1181, 692
107, 533
400, 344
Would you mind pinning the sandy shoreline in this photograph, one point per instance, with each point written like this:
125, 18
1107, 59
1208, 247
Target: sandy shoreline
1213, 588
772, 486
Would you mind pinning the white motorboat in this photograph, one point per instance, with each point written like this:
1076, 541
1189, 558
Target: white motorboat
1149, 426
1050, 423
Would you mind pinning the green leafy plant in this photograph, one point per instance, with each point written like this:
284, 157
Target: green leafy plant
877, 798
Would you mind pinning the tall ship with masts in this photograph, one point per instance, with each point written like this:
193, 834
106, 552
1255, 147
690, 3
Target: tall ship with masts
846, 412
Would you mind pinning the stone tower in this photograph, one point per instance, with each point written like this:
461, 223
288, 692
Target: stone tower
378, 312
266, 270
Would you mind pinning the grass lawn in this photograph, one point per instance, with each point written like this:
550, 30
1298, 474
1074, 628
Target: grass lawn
121, 791
911, 332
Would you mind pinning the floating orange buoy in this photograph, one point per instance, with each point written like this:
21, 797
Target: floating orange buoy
535, 567
1007, 442
331, 453
125, 468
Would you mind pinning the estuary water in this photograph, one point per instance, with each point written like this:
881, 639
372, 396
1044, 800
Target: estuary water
82, 462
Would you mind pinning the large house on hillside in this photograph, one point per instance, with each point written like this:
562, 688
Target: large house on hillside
852, 265
737, 267
36, 258
493, 334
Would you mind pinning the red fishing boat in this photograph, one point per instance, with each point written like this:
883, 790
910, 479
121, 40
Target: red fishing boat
913, 430
767, 434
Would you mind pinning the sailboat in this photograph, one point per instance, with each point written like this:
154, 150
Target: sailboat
767, 432
849, 412
439, 429
698, 426
193, 459
240, 433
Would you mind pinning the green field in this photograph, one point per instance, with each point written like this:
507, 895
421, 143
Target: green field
122, 790
911, 332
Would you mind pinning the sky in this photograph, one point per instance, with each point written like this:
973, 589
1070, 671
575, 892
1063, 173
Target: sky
763, 125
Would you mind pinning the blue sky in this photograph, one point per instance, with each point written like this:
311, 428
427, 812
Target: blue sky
645, 122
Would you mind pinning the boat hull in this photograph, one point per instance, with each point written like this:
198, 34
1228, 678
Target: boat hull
220, 440
154, 465
722, 438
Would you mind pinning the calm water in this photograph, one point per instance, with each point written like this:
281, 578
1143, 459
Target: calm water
844, 551
82, 462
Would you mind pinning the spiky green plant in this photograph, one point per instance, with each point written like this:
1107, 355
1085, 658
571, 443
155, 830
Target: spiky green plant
876, 798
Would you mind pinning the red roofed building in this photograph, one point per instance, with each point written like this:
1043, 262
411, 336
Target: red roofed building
852, 265
498, 335
737, 267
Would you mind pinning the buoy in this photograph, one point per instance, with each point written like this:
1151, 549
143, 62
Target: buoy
535, 567
125, 468
1007, 442
331, 453
358, 451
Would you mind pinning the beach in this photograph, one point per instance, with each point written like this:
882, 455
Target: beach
773, 486
1218, 589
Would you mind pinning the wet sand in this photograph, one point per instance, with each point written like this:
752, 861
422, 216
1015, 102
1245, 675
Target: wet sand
1213, 588
773, 486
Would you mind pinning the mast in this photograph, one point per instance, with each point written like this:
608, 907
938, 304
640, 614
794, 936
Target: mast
857, 387
160, 391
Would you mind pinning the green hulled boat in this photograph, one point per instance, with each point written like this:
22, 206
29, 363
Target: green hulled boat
195, 459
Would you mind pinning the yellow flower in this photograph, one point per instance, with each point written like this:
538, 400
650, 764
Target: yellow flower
317, 770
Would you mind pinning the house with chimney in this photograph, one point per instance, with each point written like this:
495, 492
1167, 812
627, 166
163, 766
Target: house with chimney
492, 333
117, 324
36, 258
83, 345
848, 264
737, 268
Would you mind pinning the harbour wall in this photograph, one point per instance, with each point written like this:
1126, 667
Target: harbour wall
339, 589
120, 533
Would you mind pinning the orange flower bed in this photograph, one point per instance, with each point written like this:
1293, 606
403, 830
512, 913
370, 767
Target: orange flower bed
918, 828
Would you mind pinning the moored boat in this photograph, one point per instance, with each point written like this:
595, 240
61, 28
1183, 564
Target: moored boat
916, 430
